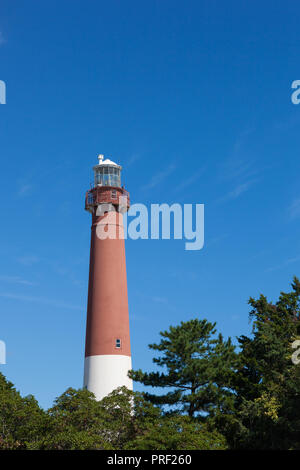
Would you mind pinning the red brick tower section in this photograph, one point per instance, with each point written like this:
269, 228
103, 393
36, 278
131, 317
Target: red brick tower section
107, 349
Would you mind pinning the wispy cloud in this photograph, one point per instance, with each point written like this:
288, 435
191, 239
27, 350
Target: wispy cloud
285, 263
132, 159
190, 181
160, 300
294, 209
159, 177
56, 266
238, 190
24, 189
239, 169
163, 302
41, 300
188, 275
215, 240
17, 280
238, 165
28, 260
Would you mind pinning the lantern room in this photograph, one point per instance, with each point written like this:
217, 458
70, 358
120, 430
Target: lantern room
107, 187
107, 173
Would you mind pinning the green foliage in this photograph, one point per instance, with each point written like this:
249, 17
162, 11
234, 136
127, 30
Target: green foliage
177, 433
122, 420
21, 419
75, 421
81, 422
267, 383
214, 398
198, 369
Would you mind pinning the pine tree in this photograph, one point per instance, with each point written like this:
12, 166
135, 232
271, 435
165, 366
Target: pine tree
198, 368
267, 382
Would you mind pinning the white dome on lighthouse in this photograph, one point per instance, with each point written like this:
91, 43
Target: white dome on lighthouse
107, 161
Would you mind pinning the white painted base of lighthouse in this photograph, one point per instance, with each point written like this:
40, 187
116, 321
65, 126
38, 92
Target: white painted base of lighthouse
103, 374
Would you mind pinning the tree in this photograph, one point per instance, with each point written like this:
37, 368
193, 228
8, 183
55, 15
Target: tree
21, 419
267, 382
251, 399
123, 420
76, 421
198, 368
177, 433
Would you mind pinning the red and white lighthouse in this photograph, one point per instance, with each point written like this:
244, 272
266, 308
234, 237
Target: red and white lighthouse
107, 348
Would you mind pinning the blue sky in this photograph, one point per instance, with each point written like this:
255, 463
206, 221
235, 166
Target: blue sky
193, 99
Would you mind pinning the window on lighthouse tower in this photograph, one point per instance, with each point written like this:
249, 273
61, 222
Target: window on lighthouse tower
118, 343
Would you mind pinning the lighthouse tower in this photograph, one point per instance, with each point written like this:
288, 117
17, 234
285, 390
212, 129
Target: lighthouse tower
107, 348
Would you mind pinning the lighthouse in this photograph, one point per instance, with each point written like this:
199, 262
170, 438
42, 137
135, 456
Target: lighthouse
107, 347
